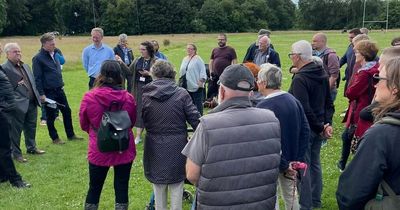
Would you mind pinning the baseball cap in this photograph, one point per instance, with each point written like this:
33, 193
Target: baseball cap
264, 32
237, 77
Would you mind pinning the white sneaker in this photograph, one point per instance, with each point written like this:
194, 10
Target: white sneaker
138, 140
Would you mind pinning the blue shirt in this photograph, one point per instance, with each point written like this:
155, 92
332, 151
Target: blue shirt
93, 57
160, 55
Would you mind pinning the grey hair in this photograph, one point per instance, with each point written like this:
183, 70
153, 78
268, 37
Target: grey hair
317, 60
270, 74
162, 69
100, 30
359, 38
123, 37
303, 48
10, 46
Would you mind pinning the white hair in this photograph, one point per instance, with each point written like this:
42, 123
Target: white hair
123, 37
304, 49
271, 74
10, 46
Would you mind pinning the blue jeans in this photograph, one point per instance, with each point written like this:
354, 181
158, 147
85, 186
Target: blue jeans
197, 98
311, 184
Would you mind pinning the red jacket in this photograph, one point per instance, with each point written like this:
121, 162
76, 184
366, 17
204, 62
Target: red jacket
360, 93
90, 113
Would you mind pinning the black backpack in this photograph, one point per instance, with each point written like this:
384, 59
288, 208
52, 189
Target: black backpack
113, 132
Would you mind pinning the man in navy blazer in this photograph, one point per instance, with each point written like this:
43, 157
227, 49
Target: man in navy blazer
27, 101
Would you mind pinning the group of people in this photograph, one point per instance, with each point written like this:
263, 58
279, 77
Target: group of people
274, 136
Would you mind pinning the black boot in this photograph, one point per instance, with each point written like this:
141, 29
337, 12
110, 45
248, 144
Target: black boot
121, 206
91, 206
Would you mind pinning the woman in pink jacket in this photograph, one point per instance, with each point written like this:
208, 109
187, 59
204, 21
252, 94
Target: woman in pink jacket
108, 89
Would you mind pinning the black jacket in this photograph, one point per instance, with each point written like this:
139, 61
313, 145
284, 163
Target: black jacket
47, 72
311, 87
251, 52
118, 51
7, 98
377, 158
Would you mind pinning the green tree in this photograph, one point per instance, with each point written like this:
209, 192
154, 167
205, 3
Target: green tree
17, 16
282, 15
3, 14
74, 16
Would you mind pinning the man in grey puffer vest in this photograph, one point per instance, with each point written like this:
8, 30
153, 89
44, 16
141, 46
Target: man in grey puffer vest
234, 155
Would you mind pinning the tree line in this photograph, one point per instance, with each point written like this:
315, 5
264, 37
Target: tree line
34, 17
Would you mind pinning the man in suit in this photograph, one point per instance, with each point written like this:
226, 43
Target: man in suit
27, 101
7, 107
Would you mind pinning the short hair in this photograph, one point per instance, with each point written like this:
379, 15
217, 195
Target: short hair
264, 32
123, 37
303, 48
46, 37
97, 29
323, 36
272, 75
395, 41
367, 49
11, 45
389, 53
149, 47
364, 31
110, 74
355, 31
224, 35
360, 37
265, 37
162, 69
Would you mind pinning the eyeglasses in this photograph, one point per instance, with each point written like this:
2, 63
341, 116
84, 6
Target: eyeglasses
290, 54
142, 49
377, 78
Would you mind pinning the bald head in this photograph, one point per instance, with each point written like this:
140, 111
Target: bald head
319, 41
263, 43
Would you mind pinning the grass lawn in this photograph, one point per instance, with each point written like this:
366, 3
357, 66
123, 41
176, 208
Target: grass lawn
59, 178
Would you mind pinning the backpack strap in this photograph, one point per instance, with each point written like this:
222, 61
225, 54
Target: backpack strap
387, 189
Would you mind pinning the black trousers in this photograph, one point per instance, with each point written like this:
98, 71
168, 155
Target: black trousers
91, 82
212, 87
97, 176
59, 96
7, 167
347, 137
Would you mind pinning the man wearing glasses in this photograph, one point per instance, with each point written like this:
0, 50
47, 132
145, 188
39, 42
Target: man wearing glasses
310, 85
94, 55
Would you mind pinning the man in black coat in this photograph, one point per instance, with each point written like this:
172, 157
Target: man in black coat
7, 106
27, 101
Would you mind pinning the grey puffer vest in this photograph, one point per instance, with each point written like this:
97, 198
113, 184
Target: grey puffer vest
242, 160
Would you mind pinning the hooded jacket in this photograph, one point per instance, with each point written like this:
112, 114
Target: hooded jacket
93, 104
311, 87
166, 109
376, 159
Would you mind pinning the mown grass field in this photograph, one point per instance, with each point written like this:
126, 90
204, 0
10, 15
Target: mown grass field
60, 177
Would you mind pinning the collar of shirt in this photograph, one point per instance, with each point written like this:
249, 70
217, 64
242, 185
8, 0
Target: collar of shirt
275, 94
94, 47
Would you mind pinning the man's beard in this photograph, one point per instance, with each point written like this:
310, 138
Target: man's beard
221, 44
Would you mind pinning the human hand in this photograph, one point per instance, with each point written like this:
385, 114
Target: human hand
117, 58
294, 70
42, 98
328, 131
144, 72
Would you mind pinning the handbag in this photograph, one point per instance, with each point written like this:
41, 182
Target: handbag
182, 82
391, 201
113, 132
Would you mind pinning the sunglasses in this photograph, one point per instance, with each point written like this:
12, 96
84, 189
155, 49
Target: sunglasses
377, 78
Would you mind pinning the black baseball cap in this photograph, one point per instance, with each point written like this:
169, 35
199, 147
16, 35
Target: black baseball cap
237, 77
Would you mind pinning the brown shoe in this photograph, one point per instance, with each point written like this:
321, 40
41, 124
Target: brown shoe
58, 141
36, 152
21, 159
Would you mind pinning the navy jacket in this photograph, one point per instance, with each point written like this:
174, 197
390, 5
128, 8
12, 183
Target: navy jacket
47, 72
295, 131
